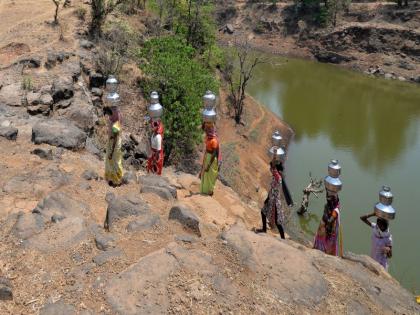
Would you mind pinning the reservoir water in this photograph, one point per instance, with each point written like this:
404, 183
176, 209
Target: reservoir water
372, 126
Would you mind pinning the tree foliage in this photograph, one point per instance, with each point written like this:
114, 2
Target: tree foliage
171, 69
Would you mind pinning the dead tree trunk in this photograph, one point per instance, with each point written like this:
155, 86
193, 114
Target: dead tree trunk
314, 187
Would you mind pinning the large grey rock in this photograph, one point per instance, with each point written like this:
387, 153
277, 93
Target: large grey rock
10, 133
27, 225
58, 308
60, 133
124, 206
104, 241
62, 89
6, 293
38, 103
158, 185
90, 175
186, 217
11, 95
81, 113
293, 278
107, 256
62, 235
45, 154
59, 203
143, 222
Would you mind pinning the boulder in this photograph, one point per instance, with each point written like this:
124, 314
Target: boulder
29, 61
72, 69
159, 191
58, 308
330, 57
229, 29
62, 89
45, 154
124, 206
129, 177
11, 95
6, 293
107, 256
186, 217
27, 225
62, 235
59, 203
39, 103
97, 92
10, 133
90, 175
86, 44
155, 181
60, 133
143, 222
104, 242
81, 113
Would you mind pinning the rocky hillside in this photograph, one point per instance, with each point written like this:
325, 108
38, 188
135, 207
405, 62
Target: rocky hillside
168, 249
376, 38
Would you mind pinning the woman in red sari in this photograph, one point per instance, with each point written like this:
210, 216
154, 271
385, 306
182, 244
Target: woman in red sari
155, 162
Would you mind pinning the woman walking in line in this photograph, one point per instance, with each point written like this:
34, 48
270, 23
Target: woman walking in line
210, 167
272, 209
113, 159
327, 238
155, 162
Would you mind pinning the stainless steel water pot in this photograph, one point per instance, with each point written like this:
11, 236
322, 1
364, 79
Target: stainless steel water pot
111, 84
155, 109
209, 112
277, 138
383, 208
277, 154
332, 181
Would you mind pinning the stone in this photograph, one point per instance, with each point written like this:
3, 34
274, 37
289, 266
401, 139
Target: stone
97, 92
405, 65
81, 113
57, 218
92, 148
62, 104
27, 225
45, 154
229, 29
72, 69
96, 80
62, 89
58, 308
30, 62
90, 175
10, 133
388, 76
402, 79
158, 181
330, 57
186, 217
186, 238
59, 203
6, 293
11, 95
129, 177
64, 234
86, 44
124, 206
107, 256
60, 133
143, 223
38, 103
104, 242
159, 191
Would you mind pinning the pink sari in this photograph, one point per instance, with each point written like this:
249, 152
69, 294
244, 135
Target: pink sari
329, 243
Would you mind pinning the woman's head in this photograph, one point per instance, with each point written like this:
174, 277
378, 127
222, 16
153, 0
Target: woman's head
107, 111
208, 126
332, 200
155, 126
382, 224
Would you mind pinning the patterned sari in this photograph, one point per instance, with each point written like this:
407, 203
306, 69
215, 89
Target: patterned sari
327, 238
113, 165
155, 162
272, 207
208, 178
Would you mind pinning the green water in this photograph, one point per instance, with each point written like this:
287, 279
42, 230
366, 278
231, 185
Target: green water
372, 126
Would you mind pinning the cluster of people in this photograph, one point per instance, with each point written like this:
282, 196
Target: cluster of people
328, 236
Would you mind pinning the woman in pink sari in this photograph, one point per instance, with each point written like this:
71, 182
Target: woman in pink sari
327, 238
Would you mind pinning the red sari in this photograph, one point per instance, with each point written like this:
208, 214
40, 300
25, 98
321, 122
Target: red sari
155, 162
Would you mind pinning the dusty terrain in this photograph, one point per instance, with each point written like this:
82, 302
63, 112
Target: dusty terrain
376, 38
169, 249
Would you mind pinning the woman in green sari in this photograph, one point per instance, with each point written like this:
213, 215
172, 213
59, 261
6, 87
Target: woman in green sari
113, 160
210, 166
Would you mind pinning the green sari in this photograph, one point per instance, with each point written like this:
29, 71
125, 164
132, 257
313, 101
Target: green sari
208, 179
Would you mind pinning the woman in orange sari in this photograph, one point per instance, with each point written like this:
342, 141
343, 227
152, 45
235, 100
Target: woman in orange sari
210, 166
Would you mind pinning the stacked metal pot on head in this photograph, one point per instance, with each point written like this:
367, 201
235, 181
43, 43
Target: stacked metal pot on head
276, 152
209, 112
332, 182
112, 98
383, 208
155, 110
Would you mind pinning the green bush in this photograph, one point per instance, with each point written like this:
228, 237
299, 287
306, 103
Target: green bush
171, 69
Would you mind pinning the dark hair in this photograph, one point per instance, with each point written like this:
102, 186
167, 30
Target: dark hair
279, 167
107, 110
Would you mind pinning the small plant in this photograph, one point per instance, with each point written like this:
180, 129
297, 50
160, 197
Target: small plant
80, 12
27, 84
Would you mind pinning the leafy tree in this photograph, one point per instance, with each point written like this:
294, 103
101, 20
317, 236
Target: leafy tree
181, 80
100, 9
